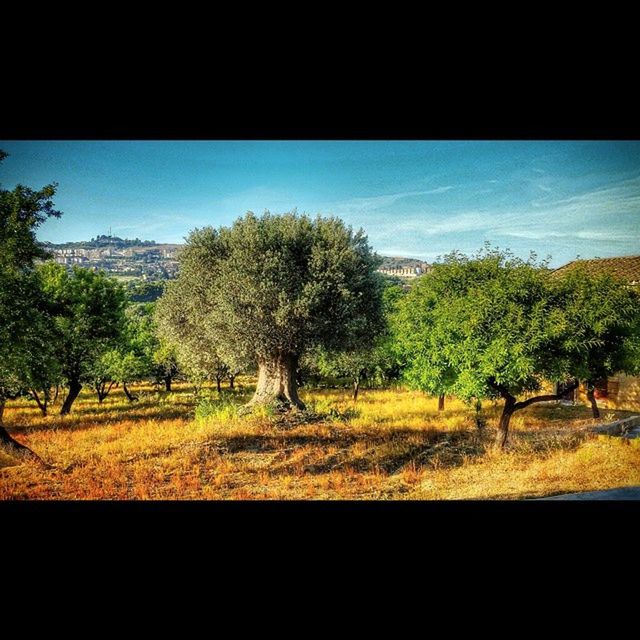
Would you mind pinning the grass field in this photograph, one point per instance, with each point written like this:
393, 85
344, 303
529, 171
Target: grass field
391, 444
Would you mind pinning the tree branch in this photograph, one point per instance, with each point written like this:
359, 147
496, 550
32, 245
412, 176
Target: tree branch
545, 398
501, 389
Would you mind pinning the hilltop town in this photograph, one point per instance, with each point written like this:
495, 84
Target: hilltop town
149, 261
145, 260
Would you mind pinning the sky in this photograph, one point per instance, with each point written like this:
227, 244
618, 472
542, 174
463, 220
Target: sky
418, 199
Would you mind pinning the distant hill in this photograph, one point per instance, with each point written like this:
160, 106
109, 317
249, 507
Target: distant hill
396, 262
104, 241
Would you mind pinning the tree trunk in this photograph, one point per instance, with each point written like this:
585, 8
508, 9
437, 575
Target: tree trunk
128, 393
14, 445
479, 419
74, 390
42, 404
592, 399
277, 381
441, 402
356, 388
167, 383
511, 406
55, 397
218, 384
503, 428
231, 380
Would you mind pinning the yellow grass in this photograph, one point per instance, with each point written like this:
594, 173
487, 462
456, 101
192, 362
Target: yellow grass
391, 444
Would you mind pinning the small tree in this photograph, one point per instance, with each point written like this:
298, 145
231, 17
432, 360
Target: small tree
102, 378
356, 365
139, 344
165, 363
88, 316
269, 288
495, 326
42, 371
376, 361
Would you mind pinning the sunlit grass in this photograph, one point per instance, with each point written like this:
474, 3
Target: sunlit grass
390, 444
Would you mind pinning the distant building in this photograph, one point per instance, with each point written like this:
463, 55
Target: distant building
404, 272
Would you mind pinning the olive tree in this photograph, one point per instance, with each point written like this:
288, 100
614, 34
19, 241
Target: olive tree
271, 287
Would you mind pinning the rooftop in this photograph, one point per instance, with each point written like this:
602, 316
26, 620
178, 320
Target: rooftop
626, 268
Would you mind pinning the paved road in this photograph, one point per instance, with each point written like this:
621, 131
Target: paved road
624, 493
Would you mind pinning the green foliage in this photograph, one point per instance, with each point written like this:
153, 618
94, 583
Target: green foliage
25, 336
165, 359
87, 310
139, 291
376, 361
272, 284
604, 316
495, 320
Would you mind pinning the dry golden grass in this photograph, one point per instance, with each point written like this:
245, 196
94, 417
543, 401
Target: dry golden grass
391, 444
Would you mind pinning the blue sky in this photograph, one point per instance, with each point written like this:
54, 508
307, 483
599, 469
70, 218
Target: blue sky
413, 198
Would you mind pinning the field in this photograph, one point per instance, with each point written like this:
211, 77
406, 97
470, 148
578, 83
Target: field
391, 444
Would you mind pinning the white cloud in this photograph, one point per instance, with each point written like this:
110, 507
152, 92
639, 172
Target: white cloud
373, 203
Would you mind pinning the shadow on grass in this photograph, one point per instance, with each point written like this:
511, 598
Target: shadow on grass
80, 421
361, 452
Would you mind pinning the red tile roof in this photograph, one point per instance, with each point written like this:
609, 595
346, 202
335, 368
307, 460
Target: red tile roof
626, 268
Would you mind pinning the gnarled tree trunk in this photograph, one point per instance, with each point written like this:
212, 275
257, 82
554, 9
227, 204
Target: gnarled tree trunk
74, 390
167, 383
441, 402
231, 381
356, 388
14, 445
591, 396
277, 381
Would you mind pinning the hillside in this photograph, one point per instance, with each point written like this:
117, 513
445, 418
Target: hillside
136, 258
397, 262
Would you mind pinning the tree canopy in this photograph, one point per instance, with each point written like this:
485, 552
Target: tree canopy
87, 311
604, 315
495, 326
23, 329
270, 287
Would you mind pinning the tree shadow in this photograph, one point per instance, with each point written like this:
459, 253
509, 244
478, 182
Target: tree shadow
546, 441
359, 452
80, 422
